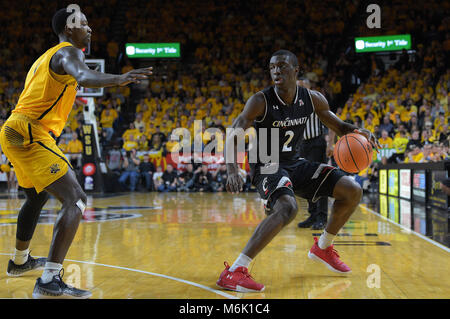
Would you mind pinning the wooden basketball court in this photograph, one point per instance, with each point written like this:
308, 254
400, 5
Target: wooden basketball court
172, 246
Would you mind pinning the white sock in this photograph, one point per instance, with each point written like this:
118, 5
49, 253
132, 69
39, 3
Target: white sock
241, 261
50, 270
325, 240
21, 256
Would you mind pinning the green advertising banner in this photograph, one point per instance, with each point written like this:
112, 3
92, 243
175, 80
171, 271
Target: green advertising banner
393, 182
153, 50
383, 43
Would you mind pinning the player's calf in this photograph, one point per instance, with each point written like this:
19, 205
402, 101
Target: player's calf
347, 194
22, 261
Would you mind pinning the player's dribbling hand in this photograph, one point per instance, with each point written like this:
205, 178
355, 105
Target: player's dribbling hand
370, 137
234, 183
135, 76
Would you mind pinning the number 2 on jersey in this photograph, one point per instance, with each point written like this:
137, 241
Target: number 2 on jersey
286, 147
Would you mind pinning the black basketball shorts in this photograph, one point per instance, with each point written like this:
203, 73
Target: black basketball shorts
310, 180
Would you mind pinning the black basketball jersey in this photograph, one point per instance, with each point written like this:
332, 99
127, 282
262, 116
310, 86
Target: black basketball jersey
289, 120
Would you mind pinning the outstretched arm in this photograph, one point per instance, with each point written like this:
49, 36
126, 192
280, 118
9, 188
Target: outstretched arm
334, 123
70, 60
254, 108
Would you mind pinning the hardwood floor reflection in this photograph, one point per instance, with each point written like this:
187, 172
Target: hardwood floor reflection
150, 245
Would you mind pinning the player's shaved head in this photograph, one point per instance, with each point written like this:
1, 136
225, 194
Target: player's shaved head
292, 57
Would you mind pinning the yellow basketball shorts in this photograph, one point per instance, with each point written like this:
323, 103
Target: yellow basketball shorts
36, 158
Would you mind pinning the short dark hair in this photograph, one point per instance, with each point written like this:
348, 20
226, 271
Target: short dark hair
59, 20
291, 56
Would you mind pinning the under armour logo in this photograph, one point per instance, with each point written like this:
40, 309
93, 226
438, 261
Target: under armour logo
275, 107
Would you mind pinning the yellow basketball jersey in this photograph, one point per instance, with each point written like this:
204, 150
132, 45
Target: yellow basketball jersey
48, 97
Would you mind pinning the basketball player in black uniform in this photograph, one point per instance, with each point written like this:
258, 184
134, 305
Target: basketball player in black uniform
286, 106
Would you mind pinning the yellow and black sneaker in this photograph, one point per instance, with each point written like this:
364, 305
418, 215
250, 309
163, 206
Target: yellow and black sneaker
31, 264
57, 289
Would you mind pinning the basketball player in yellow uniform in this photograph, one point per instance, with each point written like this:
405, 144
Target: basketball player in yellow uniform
41, 168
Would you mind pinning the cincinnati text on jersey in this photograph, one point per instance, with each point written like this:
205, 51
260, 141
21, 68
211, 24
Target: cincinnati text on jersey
288, 122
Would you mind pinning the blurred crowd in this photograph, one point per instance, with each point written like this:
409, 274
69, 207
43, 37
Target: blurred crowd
134, 173
224, 61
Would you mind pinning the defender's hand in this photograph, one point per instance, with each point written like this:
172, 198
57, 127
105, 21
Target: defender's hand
370, 137
234, 183
135, 76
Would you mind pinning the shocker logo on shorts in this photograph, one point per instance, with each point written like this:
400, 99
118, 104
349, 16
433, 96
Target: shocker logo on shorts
54, 169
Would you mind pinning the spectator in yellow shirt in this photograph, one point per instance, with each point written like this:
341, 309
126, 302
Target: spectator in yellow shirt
107, 119
74, 146
62, 145
415, 155
131, 131
139, 122
74, 149
399, 143
130, 143
427, 134
368, 123
385, 141
440, 121
335, 86
143, 143
405, 114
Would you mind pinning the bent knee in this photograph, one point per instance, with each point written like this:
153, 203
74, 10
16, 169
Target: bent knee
348, 189
287, 207
74, 196
43, 197
34, 198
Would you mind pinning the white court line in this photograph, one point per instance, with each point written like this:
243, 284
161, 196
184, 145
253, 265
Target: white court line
407, 229
221, 293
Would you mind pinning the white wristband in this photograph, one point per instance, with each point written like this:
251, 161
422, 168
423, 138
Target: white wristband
81, 206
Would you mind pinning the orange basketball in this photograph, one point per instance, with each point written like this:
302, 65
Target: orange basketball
353, 153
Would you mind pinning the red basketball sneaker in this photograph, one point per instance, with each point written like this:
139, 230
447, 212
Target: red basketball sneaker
239, 280
329, 257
